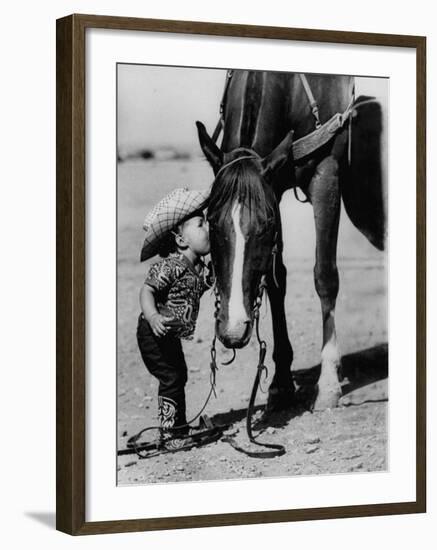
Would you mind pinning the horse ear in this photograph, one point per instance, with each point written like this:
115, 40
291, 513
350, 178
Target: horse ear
279, 156
210, 149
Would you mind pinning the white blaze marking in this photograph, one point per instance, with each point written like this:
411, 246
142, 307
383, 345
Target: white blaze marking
237, 313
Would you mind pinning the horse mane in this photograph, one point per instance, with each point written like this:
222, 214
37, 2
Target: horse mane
240, 181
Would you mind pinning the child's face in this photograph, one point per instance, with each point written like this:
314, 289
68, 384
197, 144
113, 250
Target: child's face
195, 233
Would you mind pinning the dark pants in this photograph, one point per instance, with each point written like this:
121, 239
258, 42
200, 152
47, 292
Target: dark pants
164, 359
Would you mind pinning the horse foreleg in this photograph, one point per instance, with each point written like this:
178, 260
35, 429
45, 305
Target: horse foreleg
281, 390
325, 197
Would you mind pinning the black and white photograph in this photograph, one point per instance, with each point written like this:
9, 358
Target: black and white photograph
252, 274
218, 265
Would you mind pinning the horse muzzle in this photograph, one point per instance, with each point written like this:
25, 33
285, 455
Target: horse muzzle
236, 335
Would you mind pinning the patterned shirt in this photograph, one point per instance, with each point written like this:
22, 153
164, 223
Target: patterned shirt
178, 287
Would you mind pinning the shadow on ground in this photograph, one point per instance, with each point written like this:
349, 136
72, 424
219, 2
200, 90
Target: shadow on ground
46, 518
359, 369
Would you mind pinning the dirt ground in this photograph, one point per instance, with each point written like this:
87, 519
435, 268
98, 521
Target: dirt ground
351, 438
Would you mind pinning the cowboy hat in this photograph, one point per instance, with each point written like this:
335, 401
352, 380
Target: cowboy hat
167, 214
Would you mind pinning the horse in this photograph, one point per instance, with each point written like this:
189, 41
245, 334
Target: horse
264, 115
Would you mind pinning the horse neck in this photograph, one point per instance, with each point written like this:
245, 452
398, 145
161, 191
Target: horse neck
254, 112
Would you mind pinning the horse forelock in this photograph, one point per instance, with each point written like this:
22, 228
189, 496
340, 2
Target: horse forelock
241, 183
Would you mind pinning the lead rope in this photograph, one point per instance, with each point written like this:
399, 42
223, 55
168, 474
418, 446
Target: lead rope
133, 441
276, 449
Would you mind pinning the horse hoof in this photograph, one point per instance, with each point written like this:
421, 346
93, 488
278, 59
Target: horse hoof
327, 399
280, 399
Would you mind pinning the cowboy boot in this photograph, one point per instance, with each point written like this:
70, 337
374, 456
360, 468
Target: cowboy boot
172, 429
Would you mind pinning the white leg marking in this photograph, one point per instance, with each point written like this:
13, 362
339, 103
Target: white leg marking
328, 384
330, 353
237, 313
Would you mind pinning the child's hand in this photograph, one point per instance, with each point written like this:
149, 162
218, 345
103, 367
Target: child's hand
209, 277
157, 324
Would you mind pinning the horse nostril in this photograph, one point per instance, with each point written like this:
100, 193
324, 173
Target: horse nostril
247, 329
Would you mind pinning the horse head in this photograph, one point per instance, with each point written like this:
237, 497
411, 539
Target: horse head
244, 223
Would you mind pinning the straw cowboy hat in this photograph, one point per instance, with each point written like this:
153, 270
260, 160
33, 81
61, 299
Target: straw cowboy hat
167, 214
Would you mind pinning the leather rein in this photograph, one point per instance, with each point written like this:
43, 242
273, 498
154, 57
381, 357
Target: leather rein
261, 369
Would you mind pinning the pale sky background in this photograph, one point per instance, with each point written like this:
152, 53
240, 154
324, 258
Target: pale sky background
158, 106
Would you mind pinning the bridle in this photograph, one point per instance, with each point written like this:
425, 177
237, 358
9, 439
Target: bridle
261, 370
251, 154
